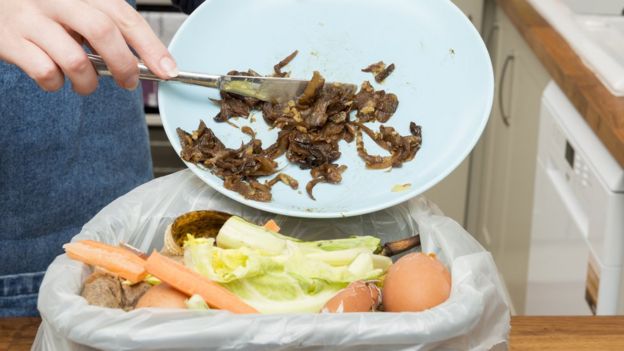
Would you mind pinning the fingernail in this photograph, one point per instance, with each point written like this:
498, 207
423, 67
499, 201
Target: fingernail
132, 83
169, 66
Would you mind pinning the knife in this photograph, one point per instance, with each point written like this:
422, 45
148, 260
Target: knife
271, 89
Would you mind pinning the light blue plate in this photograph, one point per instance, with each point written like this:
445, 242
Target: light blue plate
443, 80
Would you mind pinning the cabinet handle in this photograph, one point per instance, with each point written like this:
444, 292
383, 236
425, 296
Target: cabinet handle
490, 35
501, 90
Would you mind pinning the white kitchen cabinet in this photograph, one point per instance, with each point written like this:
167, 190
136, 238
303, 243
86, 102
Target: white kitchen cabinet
504, 168
473, 9
451, 194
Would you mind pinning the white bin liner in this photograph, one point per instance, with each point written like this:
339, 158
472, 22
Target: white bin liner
475, 317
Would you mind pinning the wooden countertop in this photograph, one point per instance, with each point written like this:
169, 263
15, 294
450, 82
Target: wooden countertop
18, 333
603, 111
527, 333
567, 333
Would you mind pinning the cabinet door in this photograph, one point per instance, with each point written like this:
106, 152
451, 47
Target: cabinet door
451, 194
473, 9
491, 36
496, 145
510, 155
487, 174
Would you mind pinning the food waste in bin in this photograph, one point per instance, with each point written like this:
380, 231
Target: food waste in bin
214, 260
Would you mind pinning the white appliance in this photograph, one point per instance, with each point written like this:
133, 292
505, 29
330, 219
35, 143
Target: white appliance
576, 254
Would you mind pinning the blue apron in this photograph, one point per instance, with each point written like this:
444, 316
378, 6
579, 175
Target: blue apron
62, 158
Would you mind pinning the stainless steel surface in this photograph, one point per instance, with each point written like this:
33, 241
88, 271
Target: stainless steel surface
205, 80
501, 97
270, 89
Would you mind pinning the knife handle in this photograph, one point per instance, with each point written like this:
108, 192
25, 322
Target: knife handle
205, 80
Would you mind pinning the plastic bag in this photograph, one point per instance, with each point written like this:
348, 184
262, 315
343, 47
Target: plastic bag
475, 317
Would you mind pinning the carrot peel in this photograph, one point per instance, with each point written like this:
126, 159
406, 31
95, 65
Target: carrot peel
190, 282
113, 259
272, 226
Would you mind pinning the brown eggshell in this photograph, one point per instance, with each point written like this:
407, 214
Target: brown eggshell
358, 296
416, 282
162, 296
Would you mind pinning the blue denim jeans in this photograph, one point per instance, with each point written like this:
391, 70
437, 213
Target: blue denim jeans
62, 158
18, 294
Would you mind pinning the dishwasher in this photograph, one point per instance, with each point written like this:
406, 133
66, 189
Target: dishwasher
576, 253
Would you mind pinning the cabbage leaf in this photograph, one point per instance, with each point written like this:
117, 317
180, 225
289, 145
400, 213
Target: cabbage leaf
277, 275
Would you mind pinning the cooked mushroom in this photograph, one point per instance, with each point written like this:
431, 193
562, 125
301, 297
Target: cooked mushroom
278, 67
381, 76
284, 178
374, 105
379, 70
311, 128
375, 68
325, 173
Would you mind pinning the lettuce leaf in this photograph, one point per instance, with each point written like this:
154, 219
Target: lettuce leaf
277, 275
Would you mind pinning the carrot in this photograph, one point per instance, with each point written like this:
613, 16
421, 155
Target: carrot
191, 282
113, 259
272, 226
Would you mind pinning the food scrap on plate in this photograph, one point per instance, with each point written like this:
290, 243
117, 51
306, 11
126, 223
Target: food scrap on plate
310, 129
379, 70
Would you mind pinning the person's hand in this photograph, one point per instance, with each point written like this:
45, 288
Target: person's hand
44, 37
